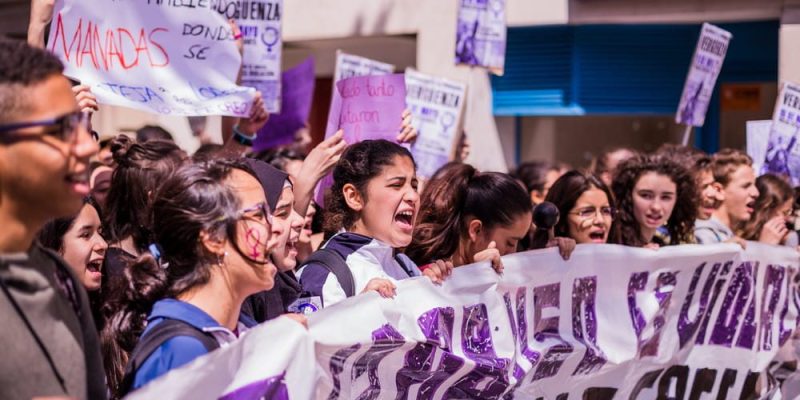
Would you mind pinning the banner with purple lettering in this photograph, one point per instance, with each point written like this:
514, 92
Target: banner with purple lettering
703, 72
260, 24
481, 34
272, 361
783, 149
297, 93
613, 322
437, 105
165, 57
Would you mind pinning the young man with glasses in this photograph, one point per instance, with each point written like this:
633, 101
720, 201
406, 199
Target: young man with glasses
45, 145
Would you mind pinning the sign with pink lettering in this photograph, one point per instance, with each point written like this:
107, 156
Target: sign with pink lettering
613, 322
165, 57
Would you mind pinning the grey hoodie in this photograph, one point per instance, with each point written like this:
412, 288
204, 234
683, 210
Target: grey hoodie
710, 231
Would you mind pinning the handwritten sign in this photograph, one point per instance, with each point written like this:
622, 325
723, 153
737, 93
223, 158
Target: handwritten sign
436, 105
297, 92
783, 151
260, 24
165, 57
365, 107
481, 34
703, 72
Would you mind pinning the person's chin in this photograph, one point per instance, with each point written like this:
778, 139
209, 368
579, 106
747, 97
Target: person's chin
400, 240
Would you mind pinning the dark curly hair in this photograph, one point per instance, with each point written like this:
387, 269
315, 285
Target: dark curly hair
680, 225
358, 165
22, 66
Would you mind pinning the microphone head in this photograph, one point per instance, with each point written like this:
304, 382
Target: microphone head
545, 215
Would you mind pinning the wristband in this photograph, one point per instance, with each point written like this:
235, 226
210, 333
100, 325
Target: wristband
241, 138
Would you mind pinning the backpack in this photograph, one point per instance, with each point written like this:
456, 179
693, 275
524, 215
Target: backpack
163, 331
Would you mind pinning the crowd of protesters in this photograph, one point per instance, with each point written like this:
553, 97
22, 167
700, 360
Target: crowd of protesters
122, 260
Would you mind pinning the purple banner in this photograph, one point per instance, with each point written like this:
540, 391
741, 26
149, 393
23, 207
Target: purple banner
297, 92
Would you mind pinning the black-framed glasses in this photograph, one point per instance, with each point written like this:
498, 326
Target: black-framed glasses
64, 128
592, 212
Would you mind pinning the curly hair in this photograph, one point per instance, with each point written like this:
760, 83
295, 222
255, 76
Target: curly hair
358, 165
774, 192
680, 225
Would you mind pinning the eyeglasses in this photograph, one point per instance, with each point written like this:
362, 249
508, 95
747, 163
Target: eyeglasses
63, 128
258, 213
592, 212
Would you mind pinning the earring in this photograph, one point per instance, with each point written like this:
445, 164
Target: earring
221, 259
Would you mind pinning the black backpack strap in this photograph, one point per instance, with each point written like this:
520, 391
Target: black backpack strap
334, 263
163, 331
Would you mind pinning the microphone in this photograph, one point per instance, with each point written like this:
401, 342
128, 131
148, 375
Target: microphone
545, 217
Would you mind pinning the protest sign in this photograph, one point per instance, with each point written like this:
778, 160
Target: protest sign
783, 151
260, 24
709, 54
757, 140
347, 66
436, 105
365, 107
297, 93
481, 34
613, 322
157, 56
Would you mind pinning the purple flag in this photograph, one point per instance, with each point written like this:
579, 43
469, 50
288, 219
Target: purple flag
297, 91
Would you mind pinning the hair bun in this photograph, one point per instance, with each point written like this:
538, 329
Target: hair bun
119, 148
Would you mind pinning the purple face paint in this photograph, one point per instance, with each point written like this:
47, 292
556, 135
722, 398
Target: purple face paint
385, 339
489, 378
547, 296
270, 388
769, 302
584, 324
733, 306
418, 367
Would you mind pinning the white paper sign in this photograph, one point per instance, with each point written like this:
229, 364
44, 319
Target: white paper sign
703, 72
783, 151
159, 56
436, 105
757, 141
349, 65
260, 24
481, 34
613, 322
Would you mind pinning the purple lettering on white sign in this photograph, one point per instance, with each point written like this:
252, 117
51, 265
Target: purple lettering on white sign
386, 339
769, 302
733, 306
544, 297
584, 324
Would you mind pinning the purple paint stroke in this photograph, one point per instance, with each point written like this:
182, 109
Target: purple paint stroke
273, 388
386, 339
584, 324
733, 306
769, 302
548, 296
336, 367
720, 283
748, 331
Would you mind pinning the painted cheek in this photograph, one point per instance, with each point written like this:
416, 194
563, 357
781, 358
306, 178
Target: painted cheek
254, 243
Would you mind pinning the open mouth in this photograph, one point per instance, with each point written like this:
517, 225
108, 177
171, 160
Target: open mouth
95, 266
653, 219
751, 206
405, 219
79, 183
597, 236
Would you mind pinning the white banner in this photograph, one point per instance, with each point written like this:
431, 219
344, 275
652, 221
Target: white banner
166, 57
783, 149
436, 104
703, 72
260, 24
613, 322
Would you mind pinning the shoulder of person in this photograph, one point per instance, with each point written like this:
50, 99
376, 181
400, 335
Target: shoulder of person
171, 354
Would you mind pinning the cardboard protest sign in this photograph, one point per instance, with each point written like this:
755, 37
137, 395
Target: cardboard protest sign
703, 72
297, 93
159, 56
260, 24
783, 149
757, 141
481, 34
612, 322
365, 107
436, 105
